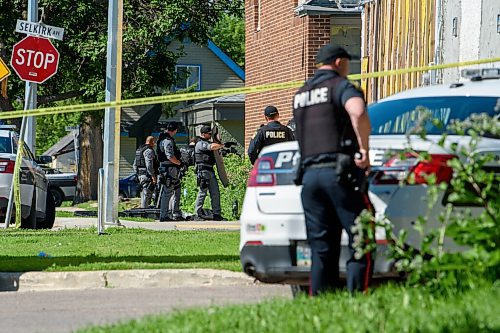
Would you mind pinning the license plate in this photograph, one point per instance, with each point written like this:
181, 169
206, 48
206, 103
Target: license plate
303, 254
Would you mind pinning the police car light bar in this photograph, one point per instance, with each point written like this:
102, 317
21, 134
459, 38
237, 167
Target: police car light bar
484, 73
8, 127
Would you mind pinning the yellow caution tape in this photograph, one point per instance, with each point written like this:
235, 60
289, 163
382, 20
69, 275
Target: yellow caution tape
173, 98
17, 182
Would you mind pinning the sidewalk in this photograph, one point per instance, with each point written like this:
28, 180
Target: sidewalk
122, 279
86, 222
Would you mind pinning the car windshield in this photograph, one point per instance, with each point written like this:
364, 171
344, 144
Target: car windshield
5, 145
399, 116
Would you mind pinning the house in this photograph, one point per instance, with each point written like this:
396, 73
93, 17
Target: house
403, 34
282, 39
470, 30
206, 67
63, 154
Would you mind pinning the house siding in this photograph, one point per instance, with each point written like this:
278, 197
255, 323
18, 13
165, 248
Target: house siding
397, 34
477, 34
282, 50
215, 74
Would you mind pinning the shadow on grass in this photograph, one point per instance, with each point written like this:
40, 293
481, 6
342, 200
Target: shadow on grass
25, 264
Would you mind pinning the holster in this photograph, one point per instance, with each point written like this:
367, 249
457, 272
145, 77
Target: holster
348, 174
202, 181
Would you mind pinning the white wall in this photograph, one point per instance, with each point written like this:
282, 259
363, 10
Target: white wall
477, 36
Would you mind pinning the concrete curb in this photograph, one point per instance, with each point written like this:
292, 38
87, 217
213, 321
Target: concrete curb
162, 278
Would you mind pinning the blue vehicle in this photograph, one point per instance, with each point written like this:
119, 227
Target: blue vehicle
128, 187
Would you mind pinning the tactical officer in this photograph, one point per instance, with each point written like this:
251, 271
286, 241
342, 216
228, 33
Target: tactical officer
269, 134
170, 164
207, 181
332, 128
146, 168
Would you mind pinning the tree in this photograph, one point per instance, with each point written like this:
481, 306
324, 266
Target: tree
229, 35
149, 27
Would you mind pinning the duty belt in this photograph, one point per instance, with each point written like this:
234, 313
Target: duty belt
322, 165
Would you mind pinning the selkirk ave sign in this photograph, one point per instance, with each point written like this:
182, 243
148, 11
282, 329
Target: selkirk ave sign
39, 29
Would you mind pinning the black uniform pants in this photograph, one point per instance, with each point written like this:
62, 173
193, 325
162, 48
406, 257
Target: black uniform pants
330, 207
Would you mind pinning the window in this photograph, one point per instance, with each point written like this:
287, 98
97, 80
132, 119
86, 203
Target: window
258, 12
498, 23
454, 30
187, 76
399, 116
5, 145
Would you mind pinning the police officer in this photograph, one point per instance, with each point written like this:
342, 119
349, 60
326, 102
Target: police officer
269, 134
332, 128
145, 167
170, 164
207, 181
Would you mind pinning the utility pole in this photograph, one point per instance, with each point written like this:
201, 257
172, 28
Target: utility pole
31, 88
111, 158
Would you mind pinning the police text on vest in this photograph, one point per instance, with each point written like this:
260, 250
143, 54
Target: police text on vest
275, 135
313, 97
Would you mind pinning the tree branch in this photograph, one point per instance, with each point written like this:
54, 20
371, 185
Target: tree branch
44, 100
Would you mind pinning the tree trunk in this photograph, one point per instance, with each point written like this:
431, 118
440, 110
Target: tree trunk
91, 153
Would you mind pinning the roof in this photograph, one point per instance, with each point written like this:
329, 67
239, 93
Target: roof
218, 101
62, 146
328, 6
240, 98
488, 88
226, 60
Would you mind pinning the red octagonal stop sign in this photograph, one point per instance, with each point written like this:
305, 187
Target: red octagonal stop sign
35, 59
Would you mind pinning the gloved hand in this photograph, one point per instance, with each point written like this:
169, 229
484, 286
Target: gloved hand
229, 144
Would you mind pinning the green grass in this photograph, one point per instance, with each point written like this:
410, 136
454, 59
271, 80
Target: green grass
83, 249
61, 213
388, 309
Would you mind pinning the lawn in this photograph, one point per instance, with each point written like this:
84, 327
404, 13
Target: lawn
387, 309
83, 249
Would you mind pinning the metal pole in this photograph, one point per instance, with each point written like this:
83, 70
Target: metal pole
22, 134
30, 137
100, 196
112, 115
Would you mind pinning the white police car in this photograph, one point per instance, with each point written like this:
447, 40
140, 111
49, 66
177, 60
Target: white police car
37, 203
273, 244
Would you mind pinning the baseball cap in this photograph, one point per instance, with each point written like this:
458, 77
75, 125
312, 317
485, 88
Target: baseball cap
172, 126
205, 129
270, 111
329, 52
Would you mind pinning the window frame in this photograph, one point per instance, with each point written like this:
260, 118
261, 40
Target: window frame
198, 88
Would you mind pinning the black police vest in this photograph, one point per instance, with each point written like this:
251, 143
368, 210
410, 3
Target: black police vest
177, 153
204, 158
140, 161
323, 124
274, 135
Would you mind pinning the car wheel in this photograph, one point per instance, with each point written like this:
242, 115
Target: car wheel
30, 221
299, 290
50, 213
58, 196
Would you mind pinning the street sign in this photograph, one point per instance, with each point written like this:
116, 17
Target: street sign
4, 70
35, 59
39, 29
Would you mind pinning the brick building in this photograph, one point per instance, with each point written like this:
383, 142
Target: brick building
282, 38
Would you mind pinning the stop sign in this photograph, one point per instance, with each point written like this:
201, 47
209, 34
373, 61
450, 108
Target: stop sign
35, 59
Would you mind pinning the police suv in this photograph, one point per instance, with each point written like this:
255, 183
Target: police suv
37, 203
273, 245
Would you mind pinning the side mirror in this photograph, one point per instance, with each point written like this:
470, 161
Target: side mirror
44, 159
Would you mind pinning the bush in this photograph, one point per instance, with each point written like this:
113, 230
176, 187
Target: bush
474, 184
238, 169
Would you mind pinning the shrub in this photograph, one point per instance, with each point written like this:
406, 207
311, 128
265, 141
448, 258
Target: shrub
238, 169
474, 184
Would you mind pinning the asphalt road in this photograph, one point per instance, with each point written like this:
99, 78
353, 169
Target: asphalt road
67, 311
